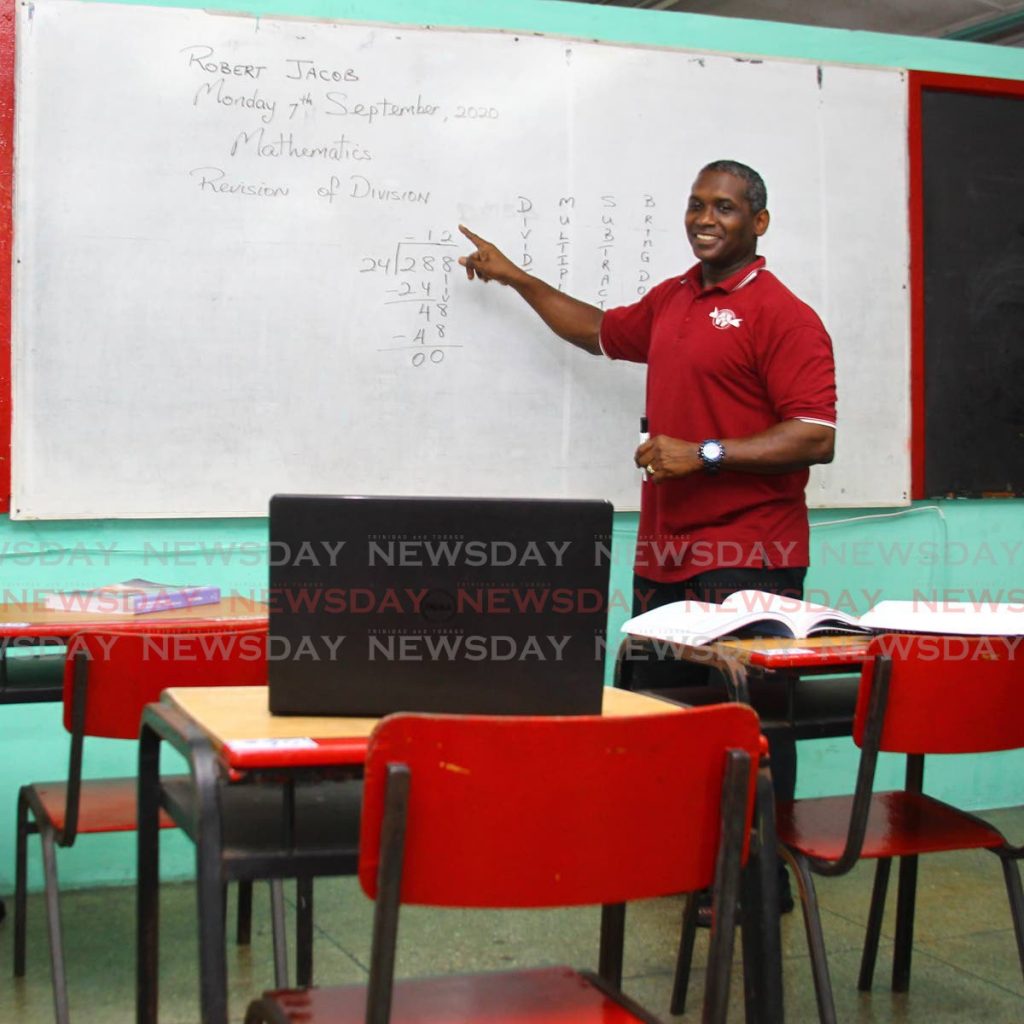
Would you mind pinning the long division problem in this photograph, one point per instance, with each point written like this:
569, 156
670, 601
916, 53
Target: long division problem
416, 283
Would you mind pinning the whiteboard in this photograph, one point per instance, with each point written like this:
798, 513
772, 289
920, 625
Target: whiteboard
235, 246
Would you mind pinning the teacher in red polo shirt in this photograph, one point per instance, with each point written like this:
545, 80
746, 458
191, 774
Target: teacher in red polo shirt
740, 402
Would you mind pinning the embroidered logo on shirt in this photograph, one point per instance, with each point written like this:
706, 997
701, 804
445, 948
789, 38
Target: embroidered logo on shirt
723, 318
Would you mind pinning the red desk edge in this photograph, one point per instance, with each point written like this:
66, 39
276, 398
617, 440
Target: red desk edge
851, 656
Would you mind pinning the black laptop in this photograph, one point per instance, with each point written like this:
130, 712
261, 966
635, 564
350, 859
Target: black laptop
473, 605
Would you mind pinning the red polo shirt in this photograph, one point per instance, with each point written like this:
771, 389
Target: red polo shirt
728, 361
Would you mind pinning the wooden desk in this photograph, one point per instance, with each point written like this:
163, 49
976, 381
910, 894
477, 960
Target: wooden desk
247, 737
770, 674
228, 733
32, 625
779, 678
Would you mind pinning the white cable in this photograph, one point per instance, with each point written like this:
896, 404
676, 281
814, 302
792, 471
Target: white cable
882, 515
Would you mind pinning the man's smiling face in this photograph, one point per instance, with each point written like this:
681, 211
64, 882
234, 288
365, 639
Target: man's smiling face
722, 229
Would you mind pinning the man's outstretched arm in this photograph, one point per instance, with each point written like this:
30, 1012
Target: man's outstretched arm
577, 322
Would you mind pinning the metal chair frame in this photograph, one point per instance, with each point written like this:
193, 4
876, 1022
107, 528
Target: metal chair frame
762, 942
203, 804
391, 869
879, 672
34, 817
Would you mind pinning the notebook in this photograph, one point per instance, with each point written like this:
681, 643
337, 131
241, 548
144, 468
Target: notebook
473, 605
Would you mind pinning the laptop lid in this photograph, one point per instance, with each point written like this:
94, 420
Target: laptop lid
474, 605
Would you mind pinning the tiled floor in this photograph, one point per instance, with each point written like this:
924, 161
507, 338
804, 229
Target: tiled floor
965, 963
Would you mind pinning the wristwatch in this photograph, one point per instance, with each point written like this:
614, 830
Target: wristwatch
712, 454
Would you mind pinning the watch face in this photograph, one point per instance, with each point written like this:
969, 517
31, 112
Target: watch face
711, 450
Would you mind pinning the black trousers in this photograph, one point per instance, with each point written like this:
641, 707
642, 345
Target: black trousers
716, 585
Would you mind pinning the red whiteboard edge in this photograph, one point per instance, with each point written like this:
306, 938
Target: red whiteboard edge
917, 83
7, 18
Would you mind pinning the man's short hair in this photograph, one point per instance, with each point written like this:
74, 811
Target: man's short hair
756, 194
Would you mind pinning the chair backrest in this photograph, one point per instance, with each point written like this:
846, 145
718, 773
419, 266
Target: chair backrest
947, 694
127, 668
509, 811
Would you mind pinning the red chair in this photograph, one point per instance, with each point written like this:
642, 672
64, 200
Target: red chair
109, 676
918, 695
477, 811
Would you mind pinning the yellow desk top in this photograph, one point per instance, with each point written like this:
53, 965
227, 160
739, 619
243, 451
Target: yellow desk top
233, 714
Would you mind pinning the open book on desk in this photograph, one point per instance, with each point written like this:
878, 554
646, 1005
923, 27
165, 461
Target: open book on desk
755, 613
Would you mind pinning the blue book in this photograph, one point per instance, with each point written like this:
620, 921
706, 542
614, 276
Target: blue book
133, 597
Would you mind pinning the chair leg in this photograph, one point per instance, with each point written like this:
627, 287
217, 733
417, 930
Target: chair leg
613, 932
212, 954
874, 929
304, 932
243, 922
815, 937
60, 988
21, 887
279, 931
725, 894
760, 927
1011, 875
905, 902
147, 908
684, 958
209, 889
212, 938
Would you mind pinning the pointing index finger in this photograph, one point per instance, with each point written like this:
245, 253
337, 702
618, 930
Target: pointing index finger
474, 238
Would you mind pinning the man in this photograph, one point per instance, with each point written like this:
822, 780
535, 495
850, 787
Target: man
740, 402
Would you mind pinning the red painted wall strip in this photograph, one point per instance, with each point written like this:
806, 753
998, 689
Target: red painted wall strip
6, 190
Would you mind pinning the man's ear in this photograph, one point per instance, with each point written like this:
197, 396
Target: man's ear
761, 219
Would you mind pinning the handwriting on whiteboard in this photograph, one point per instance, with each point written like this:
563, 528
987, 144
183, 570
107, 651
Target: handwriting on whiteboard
281, 116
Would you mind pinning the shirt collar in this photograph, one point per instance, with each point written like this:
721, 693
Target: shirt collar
732, 283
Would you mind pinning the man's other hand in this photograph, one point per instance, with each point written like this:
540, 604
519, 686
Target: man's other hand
666, 458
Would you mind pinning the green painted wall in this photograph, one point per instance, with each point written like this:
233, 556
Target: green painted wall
965, 549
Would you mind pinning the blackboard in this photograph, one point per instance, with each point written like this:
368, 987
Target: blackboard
235, 240
972, 194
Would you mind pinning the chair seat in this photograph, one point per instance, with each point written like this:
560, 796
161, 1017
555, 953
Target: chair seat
899, 824
105, 805
552, 994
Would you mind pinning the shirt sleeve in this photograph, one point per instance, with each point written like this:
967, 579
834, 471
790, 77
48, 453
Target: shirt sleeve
626, 330
799, 372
